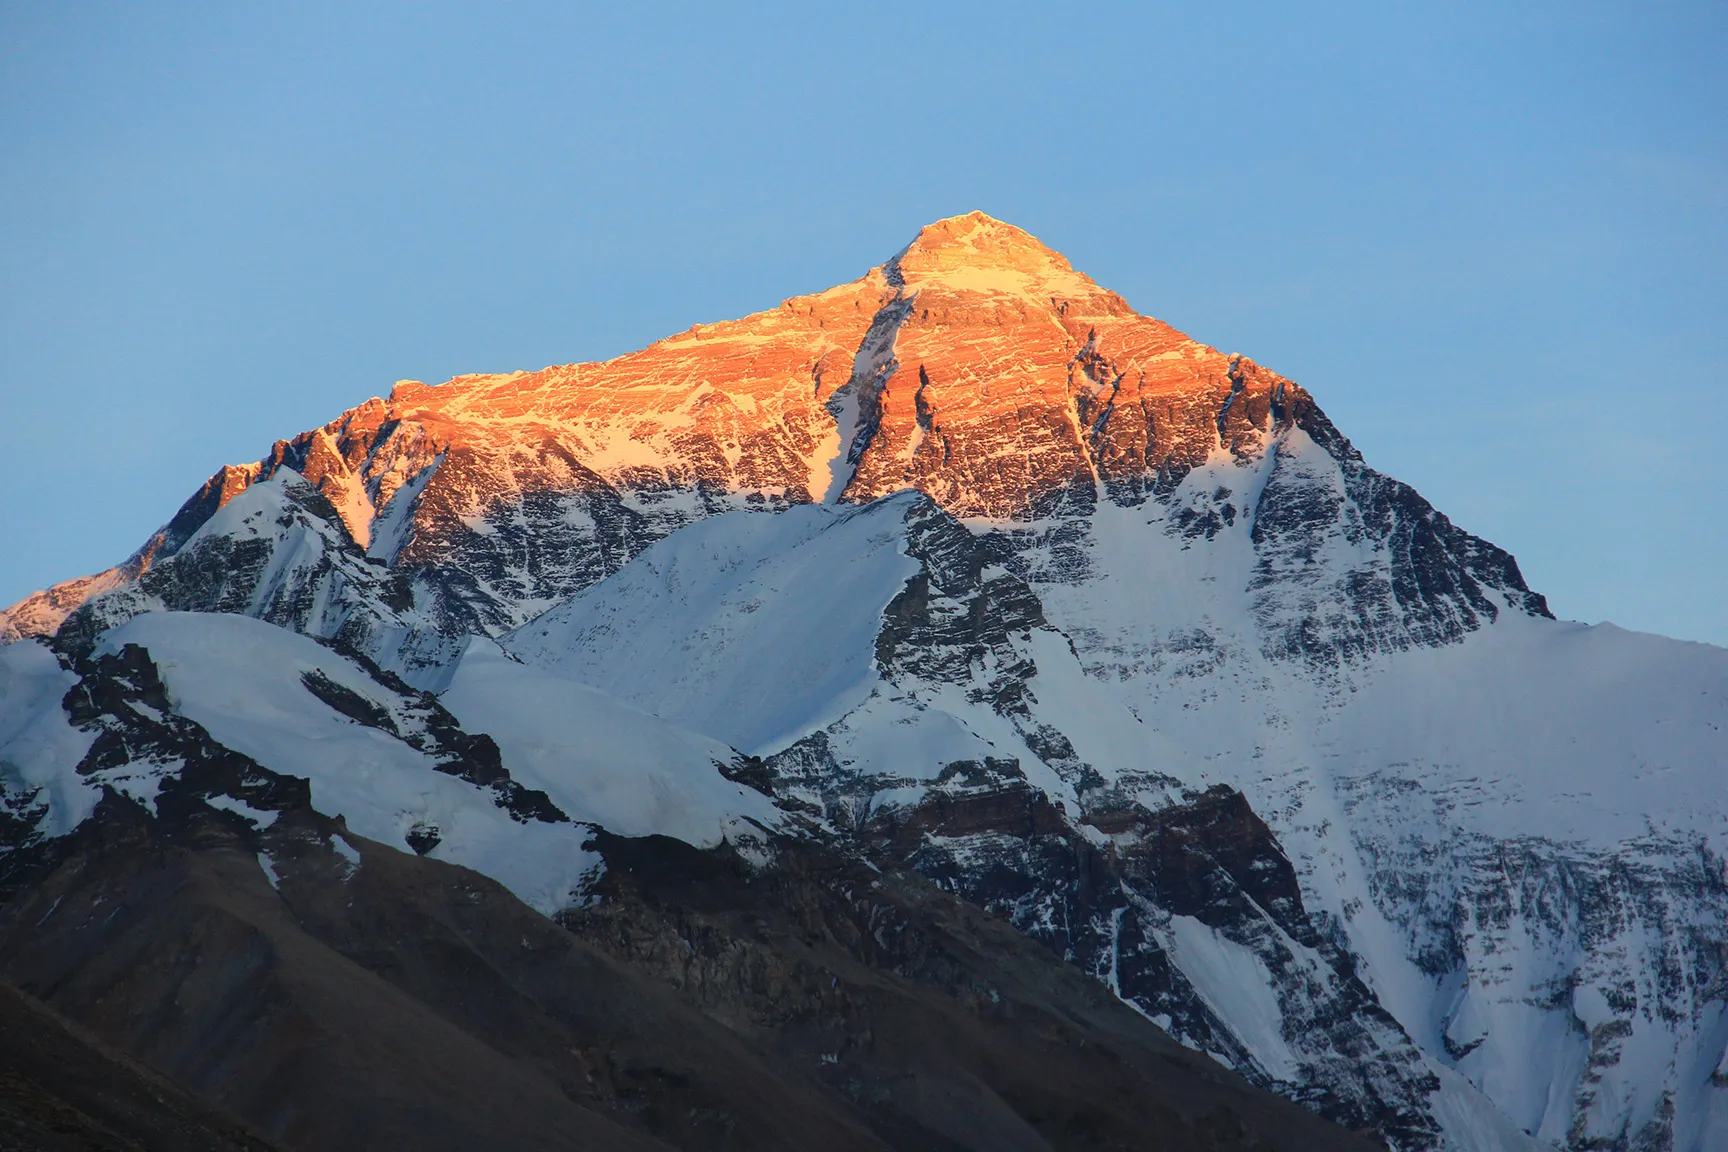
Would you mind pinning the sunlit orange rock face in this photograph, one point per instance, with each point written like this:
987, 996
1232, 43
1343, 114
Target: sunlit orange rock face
977, 366
1019, 383
999, 380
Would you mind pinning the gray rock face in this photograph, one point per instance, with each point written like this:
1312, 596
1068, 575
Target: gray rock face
278, 552
1616, 958
1119, 913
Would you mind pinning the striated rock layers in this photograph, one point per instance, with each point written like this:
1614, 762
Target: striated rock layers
976, 366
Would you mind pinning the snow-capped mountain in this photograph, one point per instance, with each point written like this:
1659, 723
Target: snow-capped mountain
970, 568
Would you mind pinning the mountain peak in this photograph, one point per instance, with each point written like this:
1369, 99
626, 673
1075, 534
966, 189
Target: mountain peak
976, 253
980, 237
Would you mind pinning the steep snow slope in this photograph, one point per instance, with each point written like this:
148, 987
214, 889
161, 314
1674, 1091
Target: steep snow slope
602, 761
389, 760
757, 629
769, 631
1520, 832
975, 700
277, 550
1590, 736
40, 749
1541, 809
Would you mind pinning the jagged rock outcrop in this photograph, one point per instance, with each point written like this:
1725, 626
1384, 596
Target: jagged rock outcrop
1204, 876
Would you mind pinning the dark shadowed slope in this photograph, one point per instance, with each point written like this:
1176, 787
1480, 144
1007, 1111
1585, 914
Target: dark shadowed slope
62, 1090
340, 994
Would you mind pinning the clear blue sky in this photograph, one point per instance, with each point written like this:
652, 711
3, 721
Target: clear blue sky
1492, 239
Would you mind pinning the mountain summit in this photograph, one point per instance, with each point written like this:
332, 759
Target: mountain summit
976, 366
980, 254
751, 655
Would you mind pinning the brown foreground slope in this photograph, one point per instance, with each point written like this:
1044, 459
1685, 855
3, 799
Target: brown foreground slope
62, 1090
703, 1003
